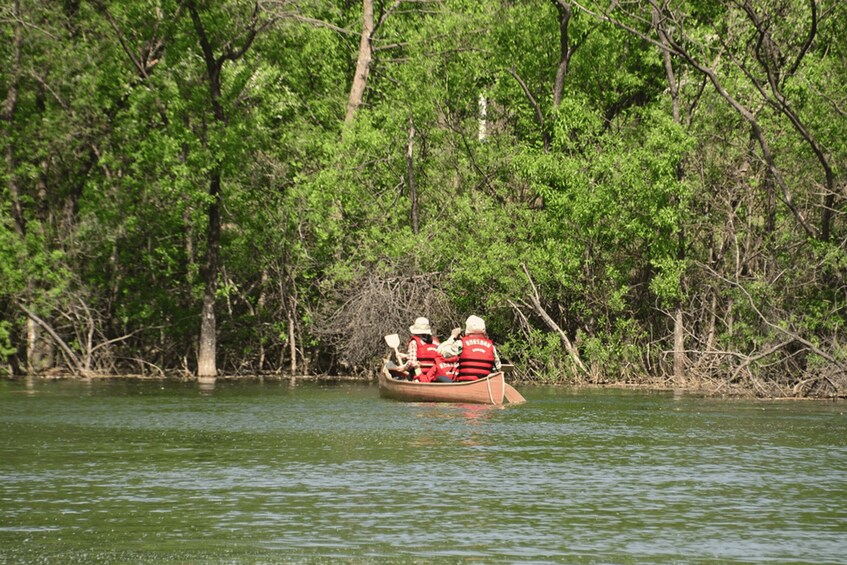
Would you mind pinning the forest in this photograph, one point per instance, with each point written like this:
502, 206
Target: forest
627, 191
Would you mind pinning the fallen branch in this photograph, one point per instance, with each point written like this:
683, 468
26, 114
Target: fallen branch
72, 359
539, 309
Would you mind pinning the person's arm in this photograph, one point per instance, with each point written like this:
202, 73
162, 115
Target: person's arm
451, 346
412, 355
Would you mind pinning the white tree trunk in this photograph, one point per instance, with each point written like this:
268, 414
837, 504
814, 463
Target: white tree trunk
206, 367
363, 62
483, 116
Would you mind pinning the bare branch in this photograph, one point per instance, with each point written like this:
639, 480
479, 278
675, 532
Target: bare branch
101, 6
793, 335
535, 299
539, 116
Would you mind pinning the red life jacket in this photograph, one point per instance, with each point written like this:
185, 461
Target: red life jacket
477, 357
448, 367
426, 352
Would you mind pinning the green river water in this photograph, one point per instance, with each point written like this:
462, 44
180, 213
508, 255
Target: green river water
152, 472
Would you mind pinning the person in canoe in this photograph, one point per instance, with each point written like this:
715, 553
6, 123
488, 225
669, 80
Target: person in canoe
475, 350
421, 352
443, 371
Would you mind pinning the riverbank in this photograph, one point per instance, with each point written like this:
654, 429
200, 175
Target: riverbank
691, 387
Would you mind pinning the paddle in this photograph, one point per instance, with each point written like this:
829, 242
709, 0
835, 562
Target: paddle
513, 396
393, 341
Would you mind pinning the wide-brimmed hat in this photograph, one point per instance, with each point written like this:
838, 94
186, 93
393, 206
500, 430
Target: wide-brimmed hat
474, 325
421, 326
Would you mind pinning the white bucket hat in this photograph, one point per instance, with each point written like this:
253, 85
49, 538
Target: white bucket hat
421, 326
474, 325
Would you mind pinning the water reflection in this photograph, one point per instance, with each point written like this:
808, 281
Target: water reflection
444, 411
477, 413
206, 385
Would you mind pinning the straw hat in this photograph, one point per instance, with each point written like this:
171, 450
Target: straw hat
474, 325
421, 326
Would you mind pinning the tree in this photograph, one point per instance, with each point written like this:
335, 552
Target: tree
218, 46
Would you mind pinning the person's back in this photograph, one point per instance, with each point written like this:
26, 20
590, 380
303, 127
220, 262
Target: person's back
422, 349
477, 357
476, 352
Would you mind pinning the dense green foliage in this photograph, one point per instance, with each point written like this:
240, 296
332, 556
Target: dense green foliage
590, 215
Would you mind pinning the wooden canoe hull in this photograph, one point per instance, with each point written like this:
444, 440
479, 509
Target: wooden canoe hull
490, 390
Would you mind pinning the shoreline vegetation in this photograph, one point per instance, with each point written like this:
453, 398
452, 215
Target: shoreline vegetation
634, 192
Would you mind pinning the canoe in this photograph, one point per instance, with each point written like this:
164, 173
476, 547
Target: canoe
493, 389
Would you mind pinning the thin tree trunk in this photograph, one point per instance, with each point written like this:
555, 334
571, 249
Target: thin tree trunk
713, 314
410, 170
260, 315
679, 357
768, 55
363, 62
483, 117
10, 105
539, 115
32, 361
565, 11
206, 366
292, 344
679, 360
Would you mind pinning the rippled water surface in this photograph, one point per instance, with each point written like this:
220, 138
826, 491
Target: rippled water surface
150, 472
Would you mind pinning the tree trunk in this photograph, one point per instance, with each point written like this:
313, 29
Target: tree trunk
260, 316
38, 357
363, 62
10, 104
292, 344
206, 367
679, 357
565, 11
9, 107
208, 327
483, 117
410, 170
713, 315
679, 348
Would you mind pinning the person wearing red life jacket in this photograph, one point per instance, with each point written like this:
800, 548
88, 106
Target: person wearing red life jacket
444, 371
476, 352
421, 354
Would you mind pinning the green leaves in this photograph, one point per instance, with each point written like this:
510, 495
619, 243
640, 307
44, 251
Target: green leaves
619, 211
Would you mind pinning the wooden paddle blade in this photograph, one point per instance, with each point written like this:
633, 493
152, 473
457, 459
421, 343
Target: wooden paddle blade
393, 341
512, 395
